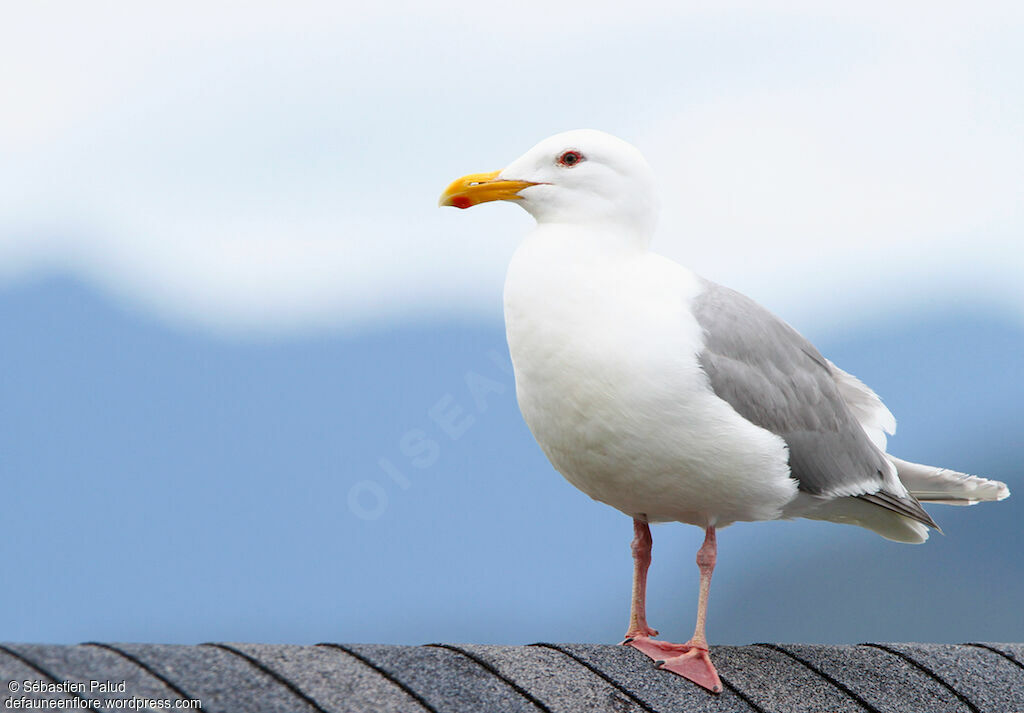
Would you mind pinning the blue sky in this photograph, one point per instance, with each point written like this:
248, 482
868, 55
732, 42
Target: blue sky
162, 485
227, 298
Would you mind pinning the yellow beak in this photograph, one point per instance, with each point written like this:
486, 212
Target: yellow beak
476, 188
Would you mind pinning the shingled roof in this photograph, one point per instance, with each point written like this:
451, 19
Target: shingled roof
258, 678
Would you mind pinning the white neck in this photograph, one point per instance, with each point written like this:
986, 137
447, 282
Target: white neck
578, 242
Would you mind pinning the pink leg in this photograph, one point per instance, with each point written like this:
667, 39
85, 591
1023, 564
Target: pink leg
689, 660
641, 562
706, 557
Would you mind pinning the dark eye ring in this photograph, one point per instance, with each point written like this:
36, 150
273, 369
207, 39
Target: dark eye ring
570, 158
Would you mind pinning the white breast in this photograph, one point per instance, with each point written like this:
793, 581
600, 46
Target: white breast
605, 354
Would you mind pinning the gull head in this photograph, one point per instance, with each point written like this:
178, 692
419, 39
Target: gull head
583, 178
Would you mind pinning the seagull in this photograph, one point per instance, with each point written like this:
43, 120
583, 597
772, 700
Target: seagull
675, 399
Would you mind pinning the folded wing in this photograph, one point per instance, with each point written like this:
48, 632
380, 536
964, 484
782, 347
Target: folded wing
775, 378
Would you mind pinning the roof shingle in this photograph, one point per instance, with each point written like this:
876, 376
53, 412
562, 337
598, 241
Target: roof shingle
552, 678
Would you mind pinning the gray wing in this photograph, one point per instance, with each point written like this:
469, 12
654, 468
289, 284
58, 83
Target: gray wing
776, 379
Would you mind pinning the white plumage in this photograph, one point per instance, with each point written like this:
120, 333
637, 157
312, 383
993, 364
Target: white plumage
605, 355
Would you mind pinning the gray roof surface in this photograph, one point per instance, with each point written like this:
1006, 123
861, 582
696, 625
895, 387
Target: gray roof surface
258, 678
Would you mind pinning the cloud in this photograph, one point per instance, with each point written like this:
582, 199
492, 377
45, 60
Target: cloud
265, 171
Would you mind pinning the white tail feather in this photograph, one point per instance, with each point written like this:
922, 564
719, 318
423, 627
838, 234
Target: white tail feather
926, 483
941, 485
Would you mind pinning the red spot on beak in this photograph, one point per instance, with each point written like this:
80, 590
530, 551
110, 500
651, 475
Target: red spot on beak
461, 202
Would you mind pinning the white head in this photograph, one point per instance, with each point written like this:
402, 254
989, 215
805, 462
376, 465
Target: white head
585, 178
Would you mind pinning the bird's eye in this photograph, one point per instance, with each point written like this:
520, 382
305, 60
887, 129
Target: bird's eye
570, 158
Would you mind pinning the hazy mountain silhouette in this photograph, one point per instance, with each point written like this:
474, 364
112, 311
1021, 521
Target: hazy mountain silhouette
170, 486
